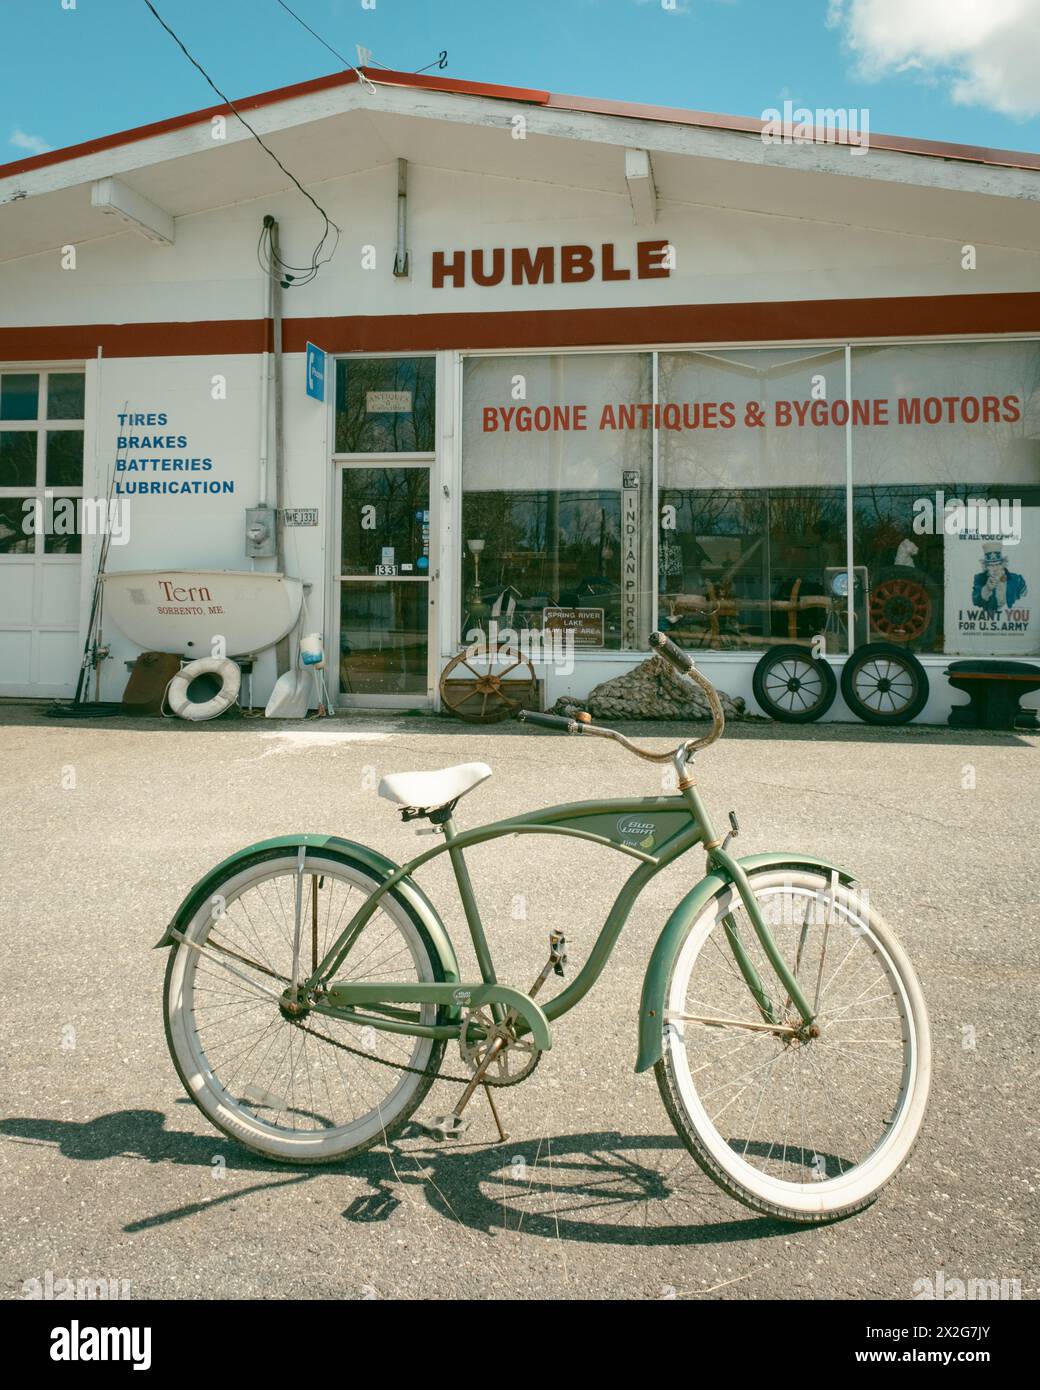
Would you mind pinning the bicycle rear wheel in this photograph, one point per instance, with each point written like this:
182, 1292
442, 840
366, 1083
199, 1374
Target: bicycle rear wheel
802, 1130
290, 1088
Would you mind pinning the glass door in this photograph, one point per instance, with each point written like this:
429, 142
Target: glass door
384, 584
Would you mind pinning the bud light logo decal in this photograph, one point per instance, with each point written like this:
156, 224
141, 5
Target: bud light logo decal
636, 832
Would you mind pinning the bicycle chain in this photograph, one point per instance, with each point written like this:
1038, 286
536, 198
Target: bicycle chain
345, 1047
381, 1061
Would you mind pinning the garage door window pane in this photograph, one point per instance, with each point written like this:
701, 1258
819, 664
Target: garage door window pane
62, 536
13, 537
65, 458
19, 396
65, 396
17, 458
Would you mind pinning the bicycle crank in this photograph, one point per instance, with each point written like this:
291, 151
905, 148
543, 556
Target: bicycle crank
497, 1055
509, 1059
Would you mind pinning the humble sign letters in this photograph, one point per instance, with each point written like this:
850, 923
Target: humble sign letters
549, 265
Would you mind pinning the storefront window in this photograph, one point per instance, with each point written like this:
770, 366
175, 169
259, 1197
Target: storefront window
557, 497
754, 452
752, 549
385, 405
946, 495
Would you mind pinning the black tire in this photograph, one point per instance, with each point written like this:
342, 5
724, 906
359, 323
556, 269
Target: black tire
236, 1130
794, 686
883, 683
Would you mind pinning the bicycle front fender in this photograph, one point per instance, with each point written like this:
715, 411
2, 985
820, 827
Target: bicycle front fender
369, 860
655, 981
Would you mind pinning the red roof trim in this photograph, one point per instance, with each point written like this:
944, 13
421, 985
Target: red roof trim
903, 144
246, 104
977, 154
145, 132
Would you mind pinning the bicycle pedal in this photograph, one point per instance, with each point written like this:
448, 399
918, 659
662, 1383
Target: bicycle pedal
448, 1126
557, 952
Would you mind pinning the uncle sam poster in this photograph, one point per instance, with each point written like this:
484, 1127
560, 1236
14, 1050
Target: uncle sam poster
991, 589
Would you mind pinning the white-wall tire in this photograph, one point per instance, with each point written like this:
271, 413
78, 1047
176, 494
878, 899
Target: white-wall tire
382, 1096
198, 711
702, 1109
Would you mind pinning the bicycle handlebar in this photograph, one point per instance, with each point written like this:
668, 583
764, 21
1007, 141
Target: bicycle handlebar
682, 664
546, 721
681, 660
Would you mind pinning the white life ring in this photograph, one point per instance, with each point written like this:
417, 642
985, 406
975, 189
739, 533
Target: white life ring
199, 710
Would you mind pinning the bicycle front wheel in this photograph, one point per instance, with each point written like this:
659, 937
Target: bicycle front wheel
805, 1130
302, 1088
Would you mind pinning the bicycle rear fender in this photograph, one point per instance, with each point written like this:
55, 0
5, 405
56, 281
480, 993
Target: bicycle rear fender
369, 860
655, 981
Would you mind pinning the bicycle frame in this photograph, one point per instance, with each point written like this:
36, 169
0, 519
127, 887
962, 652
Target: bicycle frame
655, 831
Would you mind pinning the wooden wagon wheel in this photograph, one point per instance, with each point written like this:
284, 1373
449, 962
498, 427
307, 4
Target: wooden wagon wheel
483, 685
901, 610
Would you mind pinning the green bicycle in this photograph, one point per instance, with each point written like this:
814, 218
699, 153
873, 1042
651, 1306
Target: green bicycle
312, 989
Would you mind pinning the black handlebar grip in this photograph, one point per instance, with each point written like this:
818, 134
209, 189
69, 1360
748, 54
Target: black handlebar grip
545, 721
671, 653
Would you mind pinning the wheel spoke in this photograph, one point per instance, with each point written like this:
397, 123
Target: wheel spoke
797, 1106
310, 1078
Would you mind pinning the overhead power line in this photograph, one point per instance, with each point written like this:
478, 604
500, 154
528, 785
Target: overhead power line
346, 63
441, 61
291, 275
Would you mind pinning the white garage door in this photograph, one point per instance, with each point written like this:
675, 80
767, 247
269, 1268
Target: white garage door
41, 478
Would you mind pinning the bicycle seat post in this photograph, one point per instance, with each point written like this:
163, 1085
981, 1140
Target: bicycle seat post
472, 913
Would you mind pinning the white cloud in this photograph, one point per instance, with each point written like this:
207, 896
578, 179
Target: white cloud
985, 51
33, 143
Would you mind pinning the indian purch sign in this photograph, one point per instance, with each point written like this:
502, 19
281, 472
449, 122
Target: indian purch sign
989, 607
630, 559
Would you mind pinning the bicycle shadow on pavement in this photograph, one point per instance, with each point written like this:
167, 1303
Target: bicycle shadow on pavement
601, 1187
142, 1135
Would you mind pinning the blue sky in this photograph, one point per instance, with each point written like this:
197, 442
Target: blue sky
960, 70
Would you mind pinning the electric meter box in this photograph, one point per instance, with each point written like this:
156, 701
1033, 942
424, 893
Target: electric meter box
261, 538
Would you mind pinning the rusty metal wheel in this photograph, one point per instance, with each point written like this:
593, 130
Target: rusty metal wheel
485, 684
902, 608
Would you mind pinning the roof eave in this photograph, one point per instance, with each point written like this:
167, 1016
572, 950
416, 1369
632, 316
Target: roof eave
931, 149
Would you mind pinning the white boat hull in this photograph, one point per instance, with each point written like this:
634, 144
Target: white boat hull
186, 611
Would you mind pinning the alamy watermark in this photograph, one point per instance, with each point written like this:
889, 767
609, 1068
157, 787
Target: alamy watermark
985, 517
943, 1286
70, 516
504, 646
831, 125
50, 1288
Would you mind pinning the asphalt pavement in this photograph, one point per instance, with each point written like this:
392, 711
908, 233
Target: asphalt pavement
108, 1172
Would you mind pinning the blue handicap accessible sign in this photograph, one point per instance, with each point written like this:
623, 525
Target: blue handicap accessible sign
315, 372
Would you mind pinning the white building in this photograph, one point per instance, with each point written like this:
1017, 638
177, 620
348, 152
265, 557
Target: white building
666, 370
